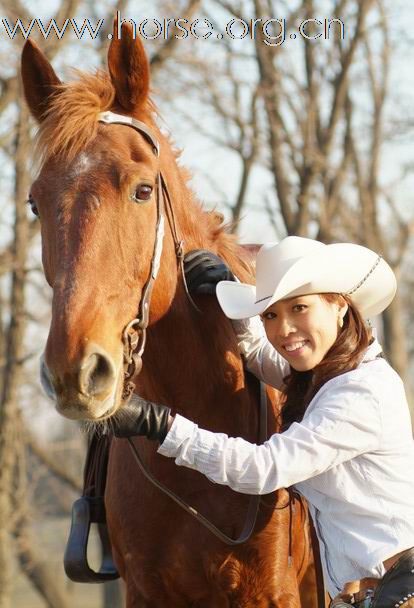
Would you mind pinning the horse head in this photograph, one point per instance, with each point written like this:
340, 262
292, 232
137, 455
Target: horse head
97, 196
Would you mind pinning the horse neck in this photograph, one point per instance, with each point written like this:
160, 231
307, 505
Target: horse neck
191, 361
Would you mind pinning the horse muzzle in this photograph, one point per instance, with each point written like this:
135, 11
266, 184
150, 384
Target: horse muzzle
90, 390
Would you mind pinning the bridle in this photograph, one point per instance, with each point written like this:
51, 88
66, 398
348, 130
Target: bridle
134, 334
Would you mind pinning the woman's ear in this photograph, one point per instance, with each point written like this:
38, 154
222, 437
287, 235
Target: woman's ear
342, 310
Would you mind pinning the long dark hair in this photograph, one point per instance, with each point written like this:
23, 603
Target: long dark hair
344, 355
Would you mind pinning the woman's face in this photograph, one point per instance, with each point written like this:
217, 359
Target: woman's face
303, 329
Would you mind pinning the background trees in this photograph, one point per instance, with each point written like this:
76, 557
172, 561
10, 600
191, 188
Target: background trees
306, 137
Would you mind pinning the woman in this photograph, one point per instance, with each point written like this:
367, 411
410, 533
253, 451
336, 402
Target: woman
347, 444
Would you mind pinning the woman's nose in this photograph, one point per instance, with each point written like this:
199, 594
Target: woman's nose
284, 327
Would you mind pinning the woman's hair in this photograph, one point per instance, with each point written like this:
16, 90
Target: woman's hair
344, 355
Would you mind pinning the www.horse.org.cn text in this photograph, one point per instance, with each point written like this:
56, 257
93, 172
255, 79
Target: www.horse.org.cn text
271, 31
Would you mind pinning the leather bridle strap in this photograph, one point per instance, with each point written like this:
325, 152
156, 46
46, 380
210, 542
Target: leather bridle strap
179, 244
254, 502
134, 334
138, 125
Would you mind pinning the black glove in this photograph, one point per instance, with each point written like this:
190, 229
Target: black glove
141, 417
203, 270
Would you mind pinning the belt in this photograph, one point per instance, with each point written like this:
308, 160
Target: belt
356, 593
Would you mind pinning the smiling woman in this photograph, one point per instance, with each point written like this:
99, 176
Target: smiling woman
347, 444
334, 340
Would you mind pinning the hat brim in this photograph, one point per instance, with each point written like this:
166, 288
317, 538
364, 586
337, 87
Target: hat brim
238, 300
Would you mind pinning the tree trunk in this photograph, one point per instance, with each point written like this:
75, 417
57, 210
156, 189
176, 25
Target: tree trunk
395, 341
13, 360
38, 571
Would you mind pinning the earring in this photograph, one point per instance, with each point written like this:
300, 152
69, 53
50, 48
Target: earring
341, 321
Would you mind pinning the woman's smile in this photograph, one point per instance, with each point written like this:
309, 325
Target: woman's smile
295, 348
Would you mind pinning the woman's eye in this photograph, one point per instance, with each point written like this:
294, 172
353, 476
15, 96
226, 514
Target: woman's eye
299, 307
268, 316
31, 202
142, 193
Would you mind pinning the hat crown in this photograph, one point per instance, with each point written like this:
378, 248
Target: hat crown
275, 259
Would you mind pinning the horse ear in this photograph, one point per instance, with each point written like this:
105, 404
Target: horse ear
39, 79
129, 68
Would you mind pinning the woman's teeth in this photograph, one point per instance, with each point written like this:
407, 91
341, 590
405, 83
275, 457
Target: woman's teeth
296, 346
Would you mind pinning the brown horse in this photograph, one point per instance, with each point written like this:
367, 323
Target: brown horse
95, 195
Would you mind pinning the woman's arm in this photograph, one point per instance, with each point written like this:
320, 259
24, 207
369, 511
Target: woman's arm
261, 358
203, 270
344, 422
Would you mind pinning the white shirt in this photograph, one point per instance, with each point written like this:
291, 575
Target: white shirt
351, 457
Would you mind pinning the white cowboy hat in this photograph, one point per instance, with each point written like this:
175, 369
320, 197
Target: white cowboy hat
297, 266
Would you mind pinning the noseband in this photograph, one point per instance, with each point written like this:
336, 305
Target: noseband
134, 334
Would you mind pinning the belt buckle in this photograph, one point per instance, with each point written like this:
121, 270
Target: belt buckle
367, 601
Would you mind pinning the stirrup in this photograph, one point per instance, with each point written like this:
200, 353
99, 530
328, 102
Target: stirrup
87, 510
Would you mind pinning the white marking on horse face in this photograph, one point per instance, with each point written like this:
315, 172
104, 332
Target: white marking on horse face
82, 163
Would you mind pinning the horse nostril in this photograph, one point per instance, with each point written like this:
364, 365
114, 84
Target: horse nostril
97, 374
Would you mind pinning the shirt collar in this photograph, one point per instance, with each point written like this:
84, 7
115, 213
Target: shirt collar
373, 350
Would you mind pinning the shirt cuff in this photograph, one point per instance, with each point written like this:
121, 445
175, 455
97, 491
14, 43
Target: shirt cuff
181, 429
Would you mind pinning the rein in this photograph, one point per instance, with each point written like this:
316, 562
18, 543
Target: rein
134, 334
254, 501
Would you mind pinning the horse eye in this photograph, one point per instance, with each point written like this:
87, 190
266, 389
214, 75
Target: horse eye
30, 201
142, 193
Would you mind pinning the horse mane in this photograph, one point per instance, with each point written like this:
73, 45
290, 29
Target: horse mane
71, 121
228, 247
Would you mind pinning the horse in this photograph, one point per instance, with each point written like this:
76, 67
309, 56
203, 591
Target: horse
96, 195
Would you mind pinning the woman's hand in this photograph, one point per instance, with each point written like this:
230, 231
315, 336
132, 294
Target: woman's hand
142, 417
203, 270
